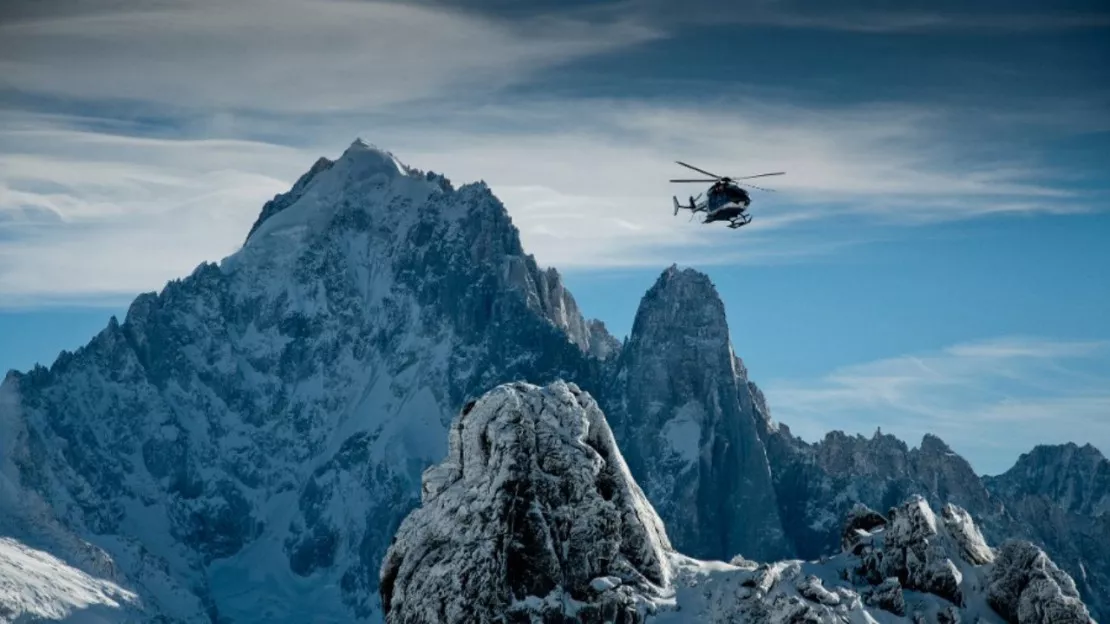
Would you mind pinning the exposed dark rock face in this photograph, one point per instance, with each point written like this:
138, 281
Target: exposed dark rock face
684, 418
1059, 497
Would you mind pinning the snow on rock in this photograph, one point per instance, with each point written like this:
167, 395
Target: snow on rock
1053, 497
862, 520
245, 441
532, 515
1026, 587
923, 552
37, 586
535, 517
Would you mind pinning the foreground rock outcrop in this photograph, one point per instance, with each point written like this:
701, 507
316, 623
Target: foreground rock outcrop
535, 517
532, 514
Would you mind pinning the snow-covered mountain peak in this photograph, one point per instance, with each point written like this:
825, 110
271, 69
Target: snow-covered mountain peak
275, 411
366, 159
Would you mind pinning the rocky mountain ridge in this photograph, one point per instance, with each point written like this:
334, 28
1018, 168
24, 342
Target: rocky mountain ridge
817, 483
534, 517
244, 444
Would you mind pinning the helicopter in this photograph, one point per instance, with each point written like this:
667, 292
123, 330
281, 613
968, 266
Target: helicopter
725, 200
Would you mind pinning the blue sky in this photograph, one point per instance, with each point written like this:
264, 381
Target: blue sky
933, 261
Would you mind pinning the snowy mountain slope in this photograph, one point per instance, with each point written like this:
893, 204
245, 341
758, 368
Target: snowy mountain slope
685, 423
259, 428
37, 586
535, 517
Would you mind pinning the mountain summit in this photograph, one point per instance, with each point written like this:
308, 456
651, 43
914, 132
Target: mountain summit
274, 412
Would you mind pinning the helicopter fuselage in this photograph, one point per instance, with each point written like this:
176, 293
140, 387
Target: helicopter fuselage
725, 200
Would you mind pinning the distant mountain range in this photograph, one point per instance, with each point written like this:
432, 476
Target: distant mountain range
243, 445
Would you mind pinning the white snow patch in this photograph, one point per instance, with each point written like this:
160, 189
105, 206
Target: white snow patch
605, 583
683, 432
35, 584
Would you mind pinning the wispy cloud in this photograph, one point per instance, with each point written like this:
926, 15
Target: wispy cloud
102, 217
997, 398
586, 181
195, 113
285, 55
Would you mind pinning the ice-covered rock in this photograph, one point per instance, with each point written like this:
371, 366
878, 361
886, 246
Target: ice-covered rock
887, 596
948, 557
531, 517
862, 520
1055, 496
1026, 587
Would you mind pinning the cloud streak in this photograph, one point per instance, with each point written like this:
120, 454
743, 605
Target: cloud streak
997, 397
287, 55
197, 112
586, 181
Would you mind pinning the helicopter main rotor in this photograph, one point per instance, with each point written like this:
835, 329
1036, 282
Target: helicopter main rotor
726, 179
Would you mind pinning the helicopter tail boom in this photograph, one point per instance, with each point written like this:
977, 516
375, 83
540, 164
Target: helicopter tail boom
677, 206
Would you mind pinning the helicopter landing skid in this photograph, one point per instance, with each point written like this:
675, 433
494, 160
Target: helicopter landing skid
739, 222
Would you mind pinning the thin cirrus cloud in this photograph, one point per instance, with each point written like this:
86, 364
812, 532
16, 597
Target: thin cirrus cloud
996, 397
285, 55
95, 208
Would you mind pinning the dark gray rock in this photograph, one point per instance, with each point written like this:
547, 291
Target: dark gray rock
685, 421
887, 596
